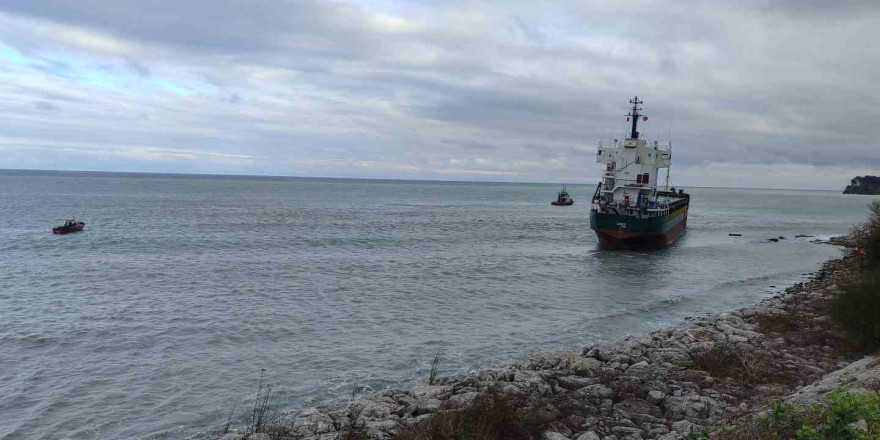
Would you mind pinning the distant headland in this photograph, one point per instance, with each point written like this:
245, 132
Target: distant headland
864, 185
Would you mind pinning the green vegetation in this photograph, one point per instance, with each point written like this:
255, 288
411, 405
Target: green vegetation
847, 416
858, 306
867, 235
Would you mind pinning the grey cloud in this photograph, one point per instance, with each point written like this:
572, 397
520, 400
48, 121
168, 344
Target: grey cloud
137, 66
753, 82
45, 106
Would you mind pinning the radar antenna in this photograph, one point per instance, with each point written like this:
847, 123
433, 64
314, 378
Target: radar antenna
635, 115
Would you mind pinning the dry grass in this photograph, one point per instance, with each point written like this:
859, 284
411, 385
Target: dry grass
493, 415
263, 417
435, 369
730, 360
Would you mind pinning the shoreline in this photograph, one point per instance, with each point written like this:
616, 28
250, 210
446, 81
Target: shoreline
674, 380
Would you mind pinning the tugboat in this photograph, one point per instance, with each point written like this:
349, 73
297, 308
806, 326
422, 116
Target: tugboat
563, 199
628, 210
69, 226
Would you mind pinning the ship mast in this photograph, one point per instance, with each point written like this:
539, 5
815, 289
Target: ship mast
635, 115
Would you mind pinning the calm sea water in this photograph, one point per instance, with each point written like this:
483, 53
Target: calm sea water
158, 319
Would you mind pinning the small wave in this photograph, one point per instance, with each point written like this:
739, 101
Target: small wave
30, 339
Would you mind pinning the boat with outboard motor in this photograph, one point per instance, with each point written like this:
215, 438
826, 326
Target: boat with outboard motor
628, 210
68, 227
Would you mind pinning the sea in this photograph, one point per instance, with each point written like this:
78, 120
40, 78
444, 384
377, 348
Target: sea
160, 318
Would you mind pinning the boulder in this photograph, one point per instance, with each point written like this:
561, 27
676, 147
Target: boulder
550, 435
586, 366
655, 396
576, 382
589, 435
597, 391
685, 427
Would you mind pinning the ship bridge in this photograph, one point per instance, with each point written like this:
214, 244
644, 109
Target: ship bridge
631, 168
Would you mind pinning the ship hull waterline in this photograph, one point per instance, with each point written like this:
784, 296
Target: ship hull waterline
616, 231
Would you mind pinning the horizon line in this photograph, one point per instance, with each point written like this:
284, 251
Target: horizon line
153, 173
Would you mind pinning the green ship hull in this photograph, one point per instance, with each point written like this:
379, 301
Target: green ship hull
620, 230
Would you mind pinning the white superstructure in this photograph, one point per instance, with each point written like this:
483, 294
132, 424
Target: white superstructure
629, 184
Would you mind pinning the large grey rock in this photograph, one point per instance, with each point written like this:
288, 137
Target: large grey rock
589, 435
639, 411
655, 396
624, 431
426, 391
463, 400
550, 435
860, 377
585, 366
643, 370
597, 391
674, 356
426, 406
576, 382
685, 427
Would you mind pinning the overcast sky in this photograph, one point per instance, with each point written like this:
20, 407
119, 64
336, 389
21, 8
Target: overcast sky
770, 93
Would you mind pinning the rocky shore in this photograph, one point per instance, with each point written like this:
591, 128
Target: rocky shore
698, 374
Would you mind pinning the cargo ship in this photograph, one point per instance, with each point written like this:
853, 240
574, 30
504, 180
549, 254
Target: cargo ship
628, 210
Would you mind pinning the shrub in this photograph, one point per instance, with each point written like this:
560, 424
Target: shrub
857, 308
867, 235
845, 409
